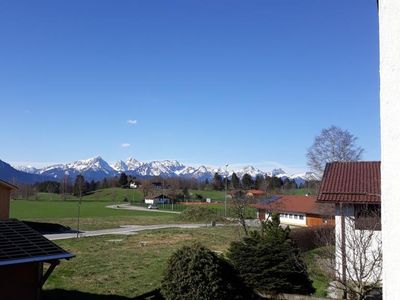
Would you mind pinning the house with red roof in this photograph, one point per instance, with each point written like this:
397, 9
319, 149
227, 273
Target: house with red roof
354, 188
296, 210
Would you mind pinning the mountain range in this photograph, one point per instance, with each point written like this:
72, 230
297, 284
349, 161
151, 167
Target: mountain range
97, 168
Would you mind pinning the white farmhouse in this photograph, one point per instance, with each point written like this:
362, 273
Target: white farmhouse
355, 189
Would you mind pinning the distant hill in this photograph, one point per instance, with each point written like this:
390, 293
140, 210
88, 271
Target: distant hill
10, 174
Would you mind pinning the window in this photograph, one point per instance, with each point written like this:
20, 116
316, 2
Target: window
290, 216
301, 217
367, 217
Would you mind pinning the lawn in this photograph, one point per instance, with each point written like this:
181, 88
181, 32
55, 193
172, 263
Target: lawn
107, 195
120, 265
129, 266
94, 214
318, 275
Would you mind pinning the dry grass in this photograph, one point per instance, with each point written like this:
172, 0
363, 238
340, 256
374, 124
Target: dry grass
129, 265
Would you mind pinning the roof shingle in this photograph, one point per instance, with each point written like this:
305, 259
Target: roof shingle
296, 204
351, 182
21, 244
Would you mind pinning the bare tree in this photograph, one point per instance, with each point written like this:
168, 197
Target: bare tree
333, 144
354, 259
240, 205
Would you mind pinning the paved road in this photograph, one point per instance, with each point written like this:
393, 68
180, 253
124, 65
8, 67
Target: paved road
123, 230
133, 207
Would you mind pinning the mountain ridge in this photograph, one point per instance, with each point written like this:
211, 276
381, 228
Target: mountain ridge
97, 168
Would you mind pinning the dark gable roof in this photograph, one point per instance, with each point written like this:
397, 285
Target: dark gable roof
295, 204
7, 185
21, 244
351, 182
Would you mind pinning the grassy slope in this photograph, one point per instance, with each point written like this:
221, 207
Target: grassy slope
317, 274
119, 265
94, 214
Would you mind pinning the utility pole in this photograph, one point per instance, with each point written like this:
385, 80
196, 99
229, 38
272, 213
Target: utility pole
226, 185
79, 205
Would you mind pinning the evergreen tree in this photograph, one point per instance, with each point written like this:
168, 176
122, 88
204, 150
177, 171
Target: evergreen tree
104, 184
123, 180
247, 181
260, 182
269, 261
276, 182
218, 183
196, 272
235, 181
185, 192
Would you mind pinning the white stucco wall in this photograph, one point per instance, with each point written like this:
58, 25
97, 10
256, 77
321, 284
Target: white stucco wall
389, 42
353, 240
290, 221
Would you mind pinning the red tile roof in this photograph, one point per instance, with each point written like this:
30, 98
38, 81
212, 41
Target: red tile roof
351, 182
297, 204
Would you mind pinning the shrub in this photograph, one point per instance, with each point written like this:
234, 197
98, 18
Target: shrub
198, 273
270, 262
199, 214
309, 238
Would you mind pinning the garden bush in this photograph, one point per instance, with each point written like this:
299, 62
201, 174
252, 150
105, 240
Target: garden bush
196, 272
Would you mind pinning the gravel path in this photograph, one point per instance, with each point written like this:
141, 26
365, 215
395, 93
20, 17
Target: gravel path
123, 230
133, 207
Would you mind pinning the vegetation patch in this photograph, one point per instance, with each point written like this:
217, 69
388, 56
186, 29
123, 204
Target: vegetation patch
200, 214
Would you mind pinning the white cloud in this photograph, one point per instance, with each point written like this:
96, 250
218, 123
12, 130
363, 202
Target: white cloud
125, 145
132, 122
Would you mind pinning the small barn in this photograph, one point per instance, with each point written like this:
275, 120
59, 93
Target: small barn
27, 258
296, 210
5, 196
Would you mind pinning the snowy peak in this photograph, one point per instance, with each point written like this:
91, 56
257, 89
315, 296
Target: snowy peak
93, 164
277, 172
120, 166
27, 169
97, 168
132, 163
252, 171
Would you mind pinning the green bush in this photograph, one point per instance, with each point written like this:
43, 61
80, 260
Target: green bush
199, 214
196, 272
270, 262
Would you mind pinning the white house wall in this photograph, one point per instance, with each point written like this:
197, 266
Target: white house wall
290, 221
389, 43
348, 215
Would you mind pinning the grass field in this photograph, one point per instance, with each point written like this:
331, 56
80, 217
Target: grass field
119, 265
119, 194
317, 274
94, 214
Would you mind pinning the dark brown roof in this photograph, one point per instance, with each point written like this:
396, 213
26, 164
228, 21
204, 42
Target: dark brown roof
21, 244
296, 204
7, 185
351, 182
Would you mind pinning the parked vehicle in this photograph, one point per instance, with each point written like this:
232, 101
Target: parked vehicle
152, 206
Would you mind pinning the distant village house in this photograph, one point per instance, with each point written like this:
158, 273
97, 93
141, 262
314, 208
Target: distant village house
295, 210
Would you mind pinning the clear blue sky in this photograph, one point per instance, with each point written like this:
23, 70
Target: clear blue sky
206, 81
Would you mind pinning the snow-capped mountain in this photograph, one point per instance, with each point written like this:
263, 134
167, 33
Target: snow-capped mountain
120, 166
97, 168
166, 168
249, 170
200, 173
27, 169
94, 168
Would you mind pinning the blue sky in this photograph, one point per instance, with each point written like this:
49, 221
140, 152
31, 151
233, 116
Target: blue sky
206, 82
